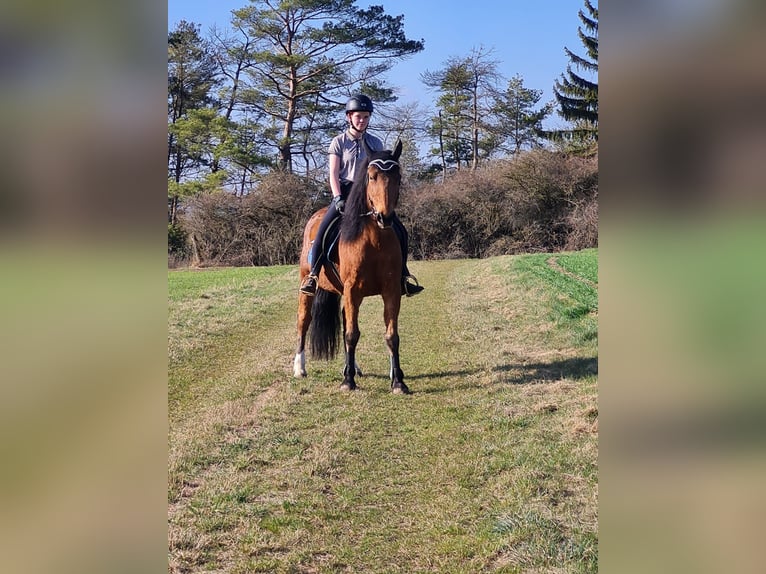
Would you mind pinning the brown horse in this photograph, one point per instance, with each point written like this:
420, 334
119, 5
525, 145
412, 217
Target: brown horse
368, 262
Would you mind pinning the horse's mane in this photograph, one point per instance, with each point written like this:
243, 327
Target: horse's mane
353, 219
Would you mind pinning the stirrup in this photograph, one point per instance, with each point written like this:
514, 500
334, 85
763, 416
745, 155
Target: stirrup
309, 286
409, 289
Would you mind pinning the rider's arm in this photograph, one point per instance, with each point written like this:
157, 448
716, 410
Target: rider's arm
335, 174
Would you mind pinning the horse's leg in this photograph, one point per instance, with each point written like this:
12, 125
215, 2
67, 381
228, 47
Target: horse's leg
391, 306
357, 368
351, 302
304, 320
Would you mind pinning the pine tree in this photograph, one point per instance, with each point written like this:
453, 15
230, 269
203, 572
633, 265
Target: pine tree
520, 124
307, 57
451, 127
578, 96
191, 81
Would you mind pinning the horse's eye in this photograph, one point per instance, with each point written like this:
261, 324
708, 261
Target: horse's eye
374, 175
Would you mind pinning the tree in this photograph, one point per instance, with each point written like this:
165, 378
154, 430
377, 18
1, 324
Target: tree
405, 123
191, 78
484, 76
243, 149
578, 96
461, 128
307, 56
451, 127
518, 121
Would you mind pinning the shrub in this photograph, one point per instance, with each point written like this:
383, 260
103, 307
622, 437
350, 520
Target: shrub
583, 223
539, 201
178, 248
262, 228
176, 239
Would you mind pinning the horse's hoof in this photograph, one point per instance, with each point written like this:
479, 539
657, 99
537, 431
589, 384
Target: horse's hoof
400, 389
299, 373
348, 387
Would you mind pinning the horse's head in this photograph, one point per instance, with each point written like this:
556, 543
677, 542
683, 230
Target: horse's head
384, 178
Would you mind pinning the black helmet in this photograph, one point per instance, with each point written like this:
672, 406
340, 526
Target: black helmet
359, 103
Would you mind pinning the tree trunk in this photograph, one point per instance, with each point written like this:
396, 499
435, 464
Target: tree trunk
475, 134
441, 148
172, 216
285, 153
196, 260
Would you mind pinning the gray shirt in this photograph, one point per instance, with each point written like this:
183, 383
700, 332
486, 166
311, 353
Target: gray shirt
351, 152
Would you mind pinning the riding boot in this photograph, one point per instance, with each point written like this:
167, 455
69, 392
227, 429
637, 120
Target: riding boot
309, 285
408, 288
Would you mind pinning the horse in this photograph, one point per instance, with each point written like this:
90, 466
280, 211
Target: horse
368, 262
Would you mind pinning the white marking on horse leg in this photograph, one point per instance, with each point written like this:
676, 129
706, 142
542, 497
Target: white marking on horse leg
299, 365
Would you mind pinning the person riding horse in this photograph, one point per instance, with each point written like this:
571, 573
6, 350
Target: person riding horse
346, 152
369, 264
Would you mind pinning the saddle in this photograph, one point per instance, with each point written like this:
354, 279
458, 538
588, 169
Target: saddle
330, 247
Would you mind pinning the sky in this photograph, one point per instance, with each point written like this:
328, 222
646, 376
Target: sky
526, 37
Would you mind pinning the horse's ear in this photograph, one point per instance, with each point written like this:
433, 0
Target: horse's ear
398, 149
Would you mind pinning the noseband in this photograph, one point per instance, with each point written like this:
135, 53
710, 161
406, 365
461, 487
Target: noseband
382, 165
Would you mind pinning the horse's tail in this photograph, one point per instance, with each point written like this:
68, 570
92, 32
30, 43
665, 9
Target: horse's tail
325, 326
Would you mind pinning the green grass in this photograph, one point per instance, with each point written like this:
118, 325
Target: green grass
572, 295
489, 466
583, 264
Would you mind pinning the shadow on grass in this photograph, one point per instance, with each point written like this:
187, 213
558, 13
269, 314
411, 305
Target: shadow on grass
521, 374
443, 374
518, 374
370, 377
575, 368
415, 377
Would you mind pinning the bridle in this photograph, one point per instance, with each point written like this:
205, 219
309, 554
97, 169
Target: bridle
382, 165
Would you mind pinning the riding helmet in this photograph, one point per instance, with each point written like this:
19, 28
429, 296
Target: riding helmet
359, 103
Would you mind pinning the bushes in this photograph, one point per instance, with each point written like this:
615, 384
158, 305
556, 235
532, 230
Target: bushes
262, 228
177, 245
176, 239
583, 224
540, 201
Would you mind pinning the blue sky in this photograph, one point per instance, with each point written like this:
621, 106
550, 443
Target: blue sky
527, 37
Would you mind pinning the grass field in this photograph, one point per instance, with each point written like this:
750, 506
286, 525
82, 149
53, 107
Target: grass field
489, 466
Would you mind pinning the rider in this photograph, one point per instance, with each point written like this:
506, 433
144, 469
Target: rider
345, 154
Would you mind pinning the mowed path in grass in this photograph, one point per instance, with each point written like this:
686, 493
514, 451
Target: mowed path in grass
489, 466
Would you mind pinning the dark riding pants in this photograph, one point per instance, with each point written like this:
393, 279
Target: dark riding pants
404, 241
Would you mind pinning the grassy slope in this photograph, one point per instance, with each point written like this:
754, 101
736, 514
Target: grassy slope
490, 466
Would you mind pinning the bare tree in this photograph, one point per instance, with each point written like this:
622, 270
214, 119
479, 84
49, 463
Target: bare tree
484, 78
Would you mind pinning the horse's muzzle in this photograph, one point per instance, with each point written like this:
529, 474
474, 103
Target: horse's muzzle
383, 221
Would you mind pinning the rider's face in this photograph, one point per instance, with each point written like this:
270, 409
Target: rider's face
359, 120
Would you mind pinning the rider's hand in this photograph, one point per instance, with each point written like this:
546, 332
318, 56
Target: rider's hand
339, 203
